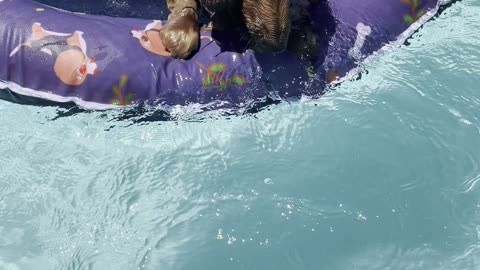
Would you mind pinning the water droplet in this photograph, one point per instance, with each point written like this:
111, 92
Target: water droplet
360, 216
219, 235
230, 241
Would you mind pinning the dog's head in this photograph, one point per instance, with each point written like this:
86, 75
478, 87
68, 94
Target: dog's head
268, 23
181, 35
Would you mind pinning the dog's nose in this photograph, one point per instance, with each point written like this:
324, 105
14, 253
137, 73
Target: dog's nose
278, 45
279, 49
276, 48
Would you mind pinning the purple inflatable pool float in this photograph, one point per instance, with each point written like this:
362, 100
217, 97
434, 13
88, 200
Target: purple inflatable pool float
101, 62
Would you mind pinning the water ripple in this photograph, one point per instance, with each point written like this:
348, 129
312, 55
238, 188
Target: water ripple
380, 173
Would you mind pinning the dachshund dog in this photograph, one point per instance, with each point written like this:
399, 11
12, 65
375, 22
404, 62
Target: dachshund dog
264, 25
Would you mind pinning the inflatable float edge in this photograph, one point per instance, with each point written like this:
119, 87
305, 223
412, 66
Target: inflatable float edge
402, 38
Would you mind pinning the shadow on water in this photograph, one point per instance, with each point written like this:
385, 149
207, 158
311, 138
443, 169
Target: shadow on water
135, 114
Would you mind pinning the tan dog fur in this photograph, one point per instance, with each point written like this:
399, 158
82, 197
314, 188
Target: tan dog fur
181, 34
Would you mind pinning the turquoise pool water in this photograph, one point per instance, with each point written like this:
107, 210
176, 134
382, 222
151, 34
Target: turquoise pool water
380, 173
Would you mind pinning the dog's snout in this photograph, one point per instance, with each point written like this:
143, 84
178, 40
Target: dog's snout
279, 47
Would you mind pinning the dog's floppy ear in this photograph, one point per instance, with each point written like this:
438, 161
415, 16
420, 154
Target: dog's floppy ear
181, 36
268, 22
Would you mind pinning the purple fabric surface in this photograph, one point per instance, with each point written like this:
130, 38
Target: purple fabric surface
102, 62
